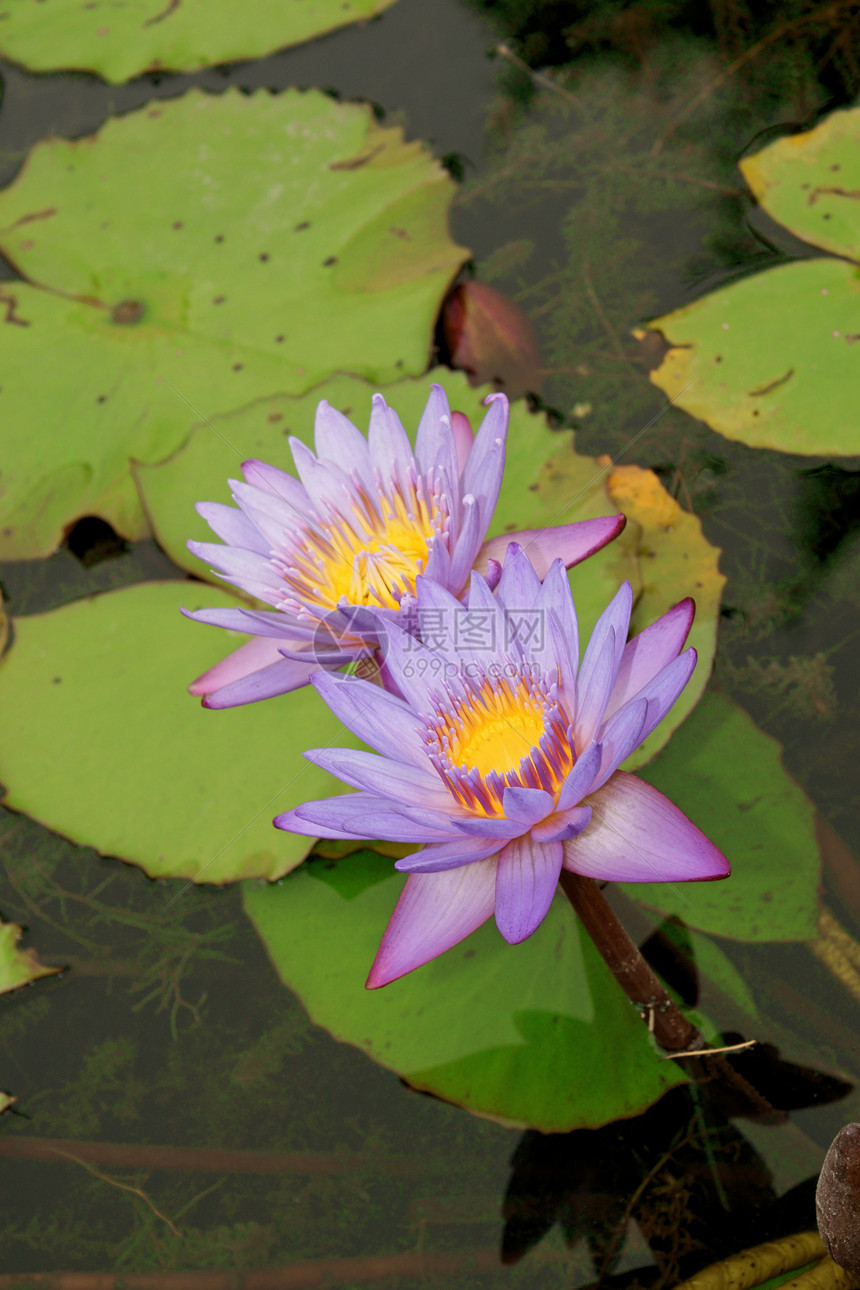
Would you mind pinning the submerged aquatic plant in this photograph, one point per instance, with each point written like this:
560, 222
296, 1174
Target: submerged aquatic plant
502, 759
365, 518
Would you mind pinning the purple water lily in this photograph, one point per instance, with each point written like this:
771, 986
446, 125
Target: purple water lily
365, 517
503, 759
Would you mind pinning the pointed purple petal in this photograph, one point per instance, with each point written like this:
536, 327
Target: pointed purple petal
563, 825
233, 527
255, 654
593, 686
366, 815
556, 598
519, 585
649, 652
328, 487
246, 569
467, 544
277, 483
619, 737
637, 835
434, 440
482, 476
526, 879
525, 806
402, 781
439, 856
387, 723
265, 683
390, 449
464, 439
337, 440
570, 543
581, 778
435, 911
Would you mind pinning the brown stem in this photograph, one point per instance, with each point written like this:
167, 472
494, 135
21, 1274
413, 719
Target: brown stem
639, 982
644, 988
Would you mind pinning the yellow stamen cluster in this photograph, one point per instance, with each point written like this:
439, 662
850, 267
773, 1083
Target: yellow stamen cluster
372, 555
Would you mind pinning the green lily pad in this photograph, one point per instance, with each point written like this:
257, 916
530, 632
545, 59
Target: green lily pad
110, 752
754, 358
810, 183
727, 776
269, 240
122, 41
18, 967
518, 1033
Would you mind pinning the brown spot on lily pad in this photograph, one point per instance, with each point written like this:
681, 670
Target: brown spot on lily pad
127, 312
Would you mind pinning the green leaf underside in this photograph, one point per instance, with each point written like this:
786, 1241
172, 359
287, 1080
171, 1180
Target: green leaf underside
754, 358
271, 240
18, 967
537, 1034
727, 776
810, 183
111, 752
122, 41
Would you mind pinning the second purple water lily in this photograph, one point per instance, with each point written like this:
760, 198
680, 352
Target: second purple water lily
502, 761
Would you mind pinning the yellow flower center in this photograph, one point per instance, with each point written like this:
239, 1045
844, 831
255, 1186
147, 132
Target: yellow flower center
503, 732
371, 556
498, 730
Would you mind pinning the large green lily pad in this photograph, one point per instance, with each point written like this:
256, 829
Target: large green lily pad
772, 360
110, 752
18, 967
522, 1033
121, 41
728, 777
268, 241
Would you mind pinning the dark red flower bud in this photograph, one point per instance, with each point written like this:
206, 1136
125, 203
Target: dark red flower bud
491, 338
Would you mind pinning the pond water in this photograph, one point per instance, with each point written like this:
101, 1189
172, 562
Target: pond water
596, 196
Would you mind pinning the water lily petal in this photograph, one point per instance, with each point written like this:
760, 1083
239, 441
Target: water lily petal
526, 805
338, 441
571, 543
619, 737
233, 527
593, 687
519, 585
649, 652
434, 440
637, 835
246, 569
264, 683
466, 546
366, 815
482, 476
464, 439
526, 879
435, 912
580, 780
380, 719
255, 654
384, 777
390, 449
327, 485
439, 856
278, 484
562, 825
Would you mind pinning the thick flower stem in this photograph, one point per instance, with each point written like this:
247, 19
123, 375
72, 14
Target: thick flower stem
666, 1021
639, 982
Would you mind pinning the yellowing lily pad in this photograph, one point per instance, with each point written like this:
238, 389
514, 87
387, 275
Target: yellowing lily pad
18, 967
515, 1032
122, 41
5, 1101
810, 182
772, 360
110, 751
269, 240
676, 560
